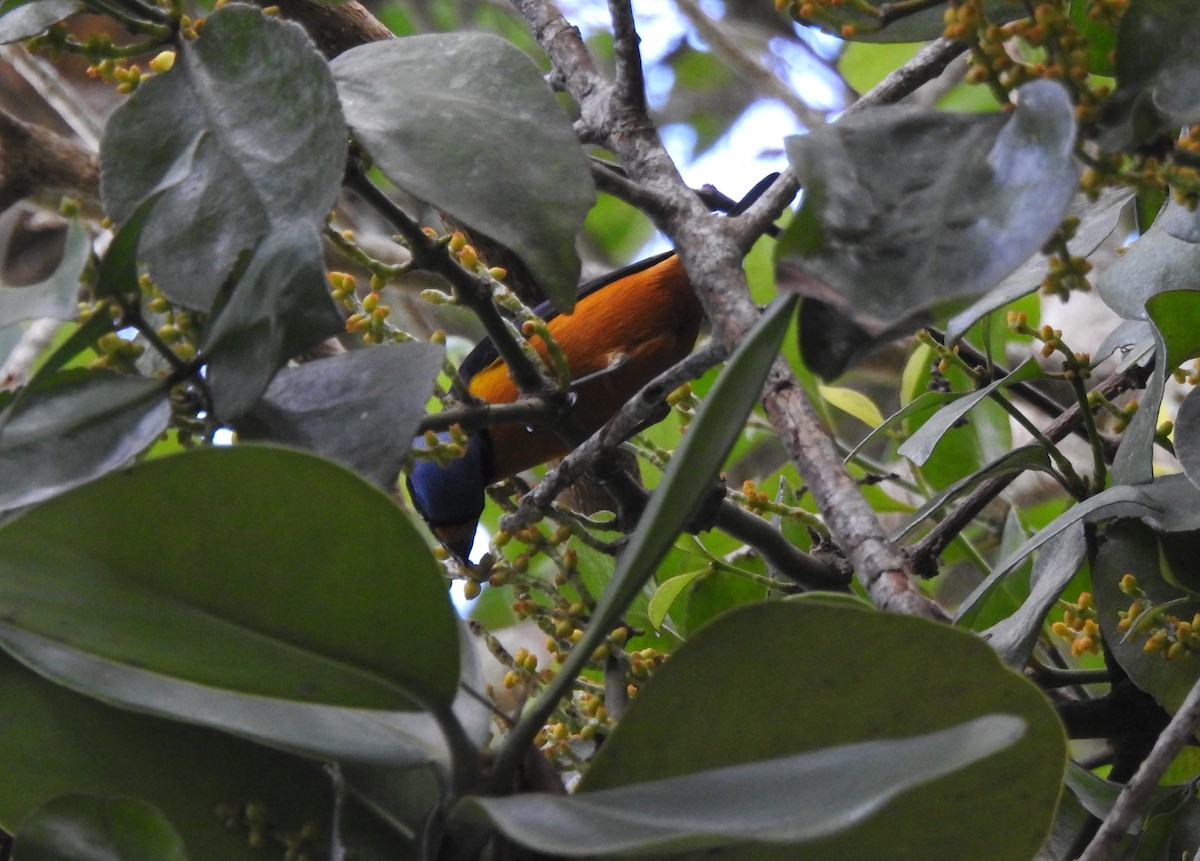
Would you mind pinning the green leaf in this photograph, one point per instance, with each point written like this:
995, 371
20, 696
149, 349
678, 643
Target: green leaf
1158, 74
208, 141
854, 403
787, 801
1023, 459
89, 828
1121, 501
74, 426
1132, 548
689, 476
668, 593
1013, 637
1098, 35
390, 739
57, 742
863, 65
57, 295
81, 340
1156, 263
920, 445
359, 409
674, 503
777, 680
879, 251
280, 307
26, 20
1175, 316
318, 590
475, 132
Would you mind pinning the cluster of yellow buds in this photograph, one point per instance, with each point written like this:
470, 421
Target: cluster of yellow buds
117, 352
755, 500
524, 667
1079, 625
179, 329
442, 452
261, 830
1172, 636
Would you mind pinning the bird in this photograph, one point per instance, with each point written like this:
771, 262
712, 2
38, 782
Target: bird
627, 327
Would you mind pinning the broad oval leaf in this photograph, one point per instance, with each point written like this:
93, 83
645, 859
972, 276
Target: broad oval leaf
1132, 548
363, 736
25, 20
279, 308
258, 570
778, 679
788, 801
360, 408
71, 427
465, 122
1158, 73
79, 827
58, 742
243, 131
885, 238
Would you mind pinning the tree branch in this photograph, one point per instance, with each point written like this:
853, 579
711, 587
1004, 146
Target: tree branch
1137, 794
35, 160
711, 254
629, 80
928, 63
470, 289
925, 552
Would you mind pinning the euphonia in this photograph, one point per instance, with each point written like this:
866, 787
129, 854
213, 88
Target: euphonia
627, 328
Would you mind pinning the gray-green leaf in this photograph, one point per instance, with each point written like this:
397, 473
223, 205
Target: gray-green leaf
885, 237
465, 122
243, 132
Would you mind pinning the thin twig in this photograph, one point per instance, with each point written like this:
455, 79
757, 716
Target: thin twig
45, 80
629, 82
1137, 794
534, 411
928, 63
470, 289
643, 406
925, 552
17, 368
747, 67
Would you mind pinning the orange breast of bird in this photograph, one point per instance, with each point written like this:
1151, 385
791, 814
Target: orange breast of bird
634, 328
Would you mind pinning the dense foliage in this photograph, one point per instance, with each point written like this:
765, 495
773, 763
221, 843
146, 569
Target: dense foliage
942, 607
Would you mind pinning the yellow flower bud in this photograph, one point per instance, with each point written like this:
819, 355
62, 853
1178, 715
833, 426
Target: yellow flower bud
163, 62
